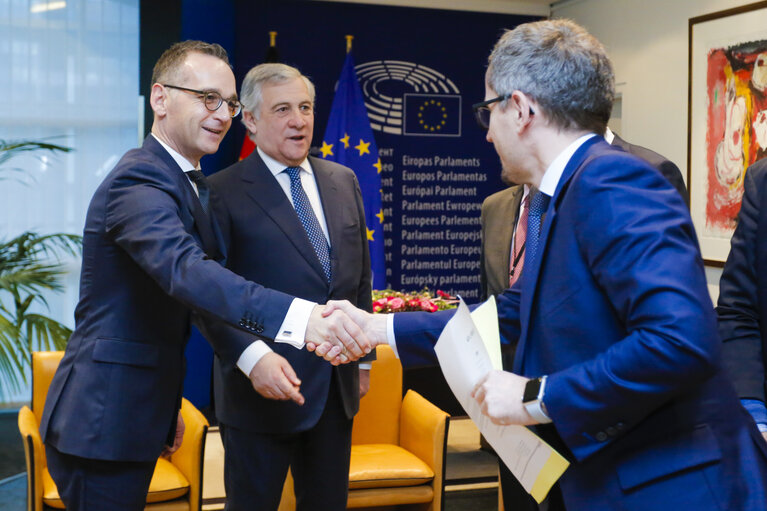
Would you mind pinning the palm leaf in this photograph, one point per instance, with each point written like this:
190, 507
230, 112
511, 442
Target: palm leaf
30, 266
11, 149
46, 334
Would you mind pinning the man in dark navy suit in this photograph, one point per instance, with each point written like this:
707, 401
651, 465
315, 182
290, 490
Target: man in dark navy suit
268, 204
502, 258
151, 263
742, 305
618, 361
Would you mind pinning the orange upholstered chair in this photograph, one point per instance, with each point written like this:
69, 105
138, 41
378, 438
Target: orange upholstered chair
176, 484
398, 446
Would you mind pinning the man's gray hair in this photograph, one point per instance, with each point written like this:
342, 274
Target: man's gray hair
252, 86
562, 67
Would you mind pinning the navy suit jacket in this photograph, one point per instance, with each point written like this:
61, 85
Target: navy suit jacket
149, 260
616, 312
266, 243
742, 306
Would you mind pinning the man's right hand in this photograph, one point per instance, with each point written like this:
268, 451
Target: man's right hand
274, 378
371, 326
335, 328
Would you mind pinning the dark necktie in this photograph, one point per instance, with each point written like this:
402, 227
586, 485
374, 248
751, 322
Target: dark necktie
520, 238
309, 219
198, 178
538, 205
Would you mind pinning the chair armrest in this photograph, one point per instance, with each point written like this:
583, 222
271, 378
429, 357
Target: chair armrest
35, 457
189, 457
423, 430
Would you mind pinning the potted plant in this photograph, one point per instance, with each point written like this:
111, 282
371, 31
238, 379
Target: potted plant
30, 266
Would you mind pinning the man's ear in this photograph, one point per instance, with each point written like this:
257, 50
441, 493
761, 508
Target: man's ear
158, 100
521, 107
249, 121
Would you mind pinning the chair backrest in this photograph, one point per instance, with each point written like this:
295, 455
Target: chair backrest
377, 422
44, 365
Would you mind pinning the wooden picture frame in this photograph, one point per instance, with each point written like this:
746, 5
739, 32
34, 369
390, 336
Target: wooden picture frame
726, 118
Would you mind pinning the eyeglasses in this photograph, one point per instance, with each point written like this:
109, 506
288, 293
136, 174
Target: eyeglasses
212, 99
482, 110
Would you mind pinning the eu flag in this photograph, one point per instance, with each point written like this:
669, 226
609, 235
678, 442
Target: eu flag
349, 141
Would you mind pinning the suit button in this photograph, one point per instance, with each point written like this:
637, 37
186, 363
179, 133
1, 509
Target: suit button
621, 426
242, 322
611, 431
601, 436
259, 328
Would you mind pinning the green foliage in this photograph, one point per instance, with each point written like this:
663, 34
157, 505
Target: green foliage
30, 266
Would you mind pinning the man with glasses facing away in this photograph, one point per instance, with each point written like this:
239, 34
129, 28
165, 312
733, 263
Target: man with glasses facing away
151, 264
294, 223
502, 258
618, 359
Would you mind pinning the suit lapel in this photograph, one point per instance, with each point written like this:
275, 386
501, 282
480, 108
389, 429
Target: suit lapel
262, 187
499, 261
329, 194
211, 240
531, 273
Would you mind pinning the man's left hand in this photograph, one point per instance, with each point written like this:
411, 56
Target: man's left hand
500, 396
168, 450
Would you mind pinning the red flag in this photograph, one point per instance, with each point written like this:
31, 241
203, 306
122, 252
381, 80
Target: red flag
247, 147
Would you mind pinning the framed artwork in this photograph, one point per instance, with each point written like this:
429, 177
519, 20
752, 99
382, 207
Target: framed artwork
727, 118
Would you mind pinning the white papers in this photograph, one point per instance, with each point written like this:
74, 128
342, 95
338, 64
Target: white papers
464, 360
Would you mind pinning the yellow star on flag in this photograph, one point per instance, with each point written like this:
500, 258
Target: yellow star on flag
326, 149
379, 215
370, 234
377, 165
363, 147
345, 140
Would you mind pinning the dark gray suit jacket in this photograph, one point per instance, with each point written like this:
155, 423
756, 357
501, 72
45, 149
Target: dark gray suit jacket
266, 243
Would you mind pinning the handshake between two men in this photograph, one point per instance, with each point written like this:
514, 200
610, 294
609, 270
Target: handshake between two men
339, 332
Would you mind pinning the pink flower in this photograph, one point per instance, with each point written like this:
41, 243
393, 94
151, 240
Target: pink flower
396, 303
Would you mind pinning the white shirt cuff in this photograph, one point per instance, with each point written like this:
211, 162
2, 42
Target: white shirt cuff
250, 357
293, 328
390, 334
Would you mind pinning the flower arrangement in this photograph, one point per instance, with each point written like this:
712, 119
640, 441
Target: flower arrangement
388, 300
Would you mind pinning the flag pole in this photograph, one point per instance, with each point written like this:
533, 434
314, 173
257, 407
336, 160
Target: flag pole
272, 38
349, 43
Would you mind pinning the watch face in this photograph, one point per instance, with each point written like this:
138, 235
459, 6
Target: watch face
531, 390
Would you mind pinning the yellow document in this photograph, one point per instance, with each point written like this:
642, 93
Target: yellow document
465, 360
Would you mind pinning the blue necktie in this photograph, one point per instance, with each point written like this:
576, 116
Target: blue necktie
538, 205
198, 178
309, 220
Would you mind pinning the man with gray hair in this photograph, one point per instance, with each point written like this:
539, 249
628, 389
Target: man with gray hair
618, 360
293, 223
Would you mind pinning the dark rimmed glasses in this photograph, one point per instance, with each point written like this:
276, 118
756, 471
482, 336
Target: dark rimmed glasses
212, 99
482, 110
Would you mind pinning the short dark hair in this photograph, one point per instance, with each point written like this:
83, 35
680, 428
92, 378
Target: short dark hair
562, 67
172, 58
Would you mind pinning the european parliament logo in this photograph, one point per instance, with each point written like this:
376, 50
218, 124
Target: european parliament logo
432, 115
405, 98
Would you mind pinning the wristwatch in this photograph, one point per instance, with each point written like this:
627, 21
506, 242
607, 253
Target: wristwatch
532, 399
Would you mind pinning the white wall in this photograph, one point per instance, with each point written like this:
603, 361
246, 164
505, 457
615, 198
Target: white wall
648, 43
